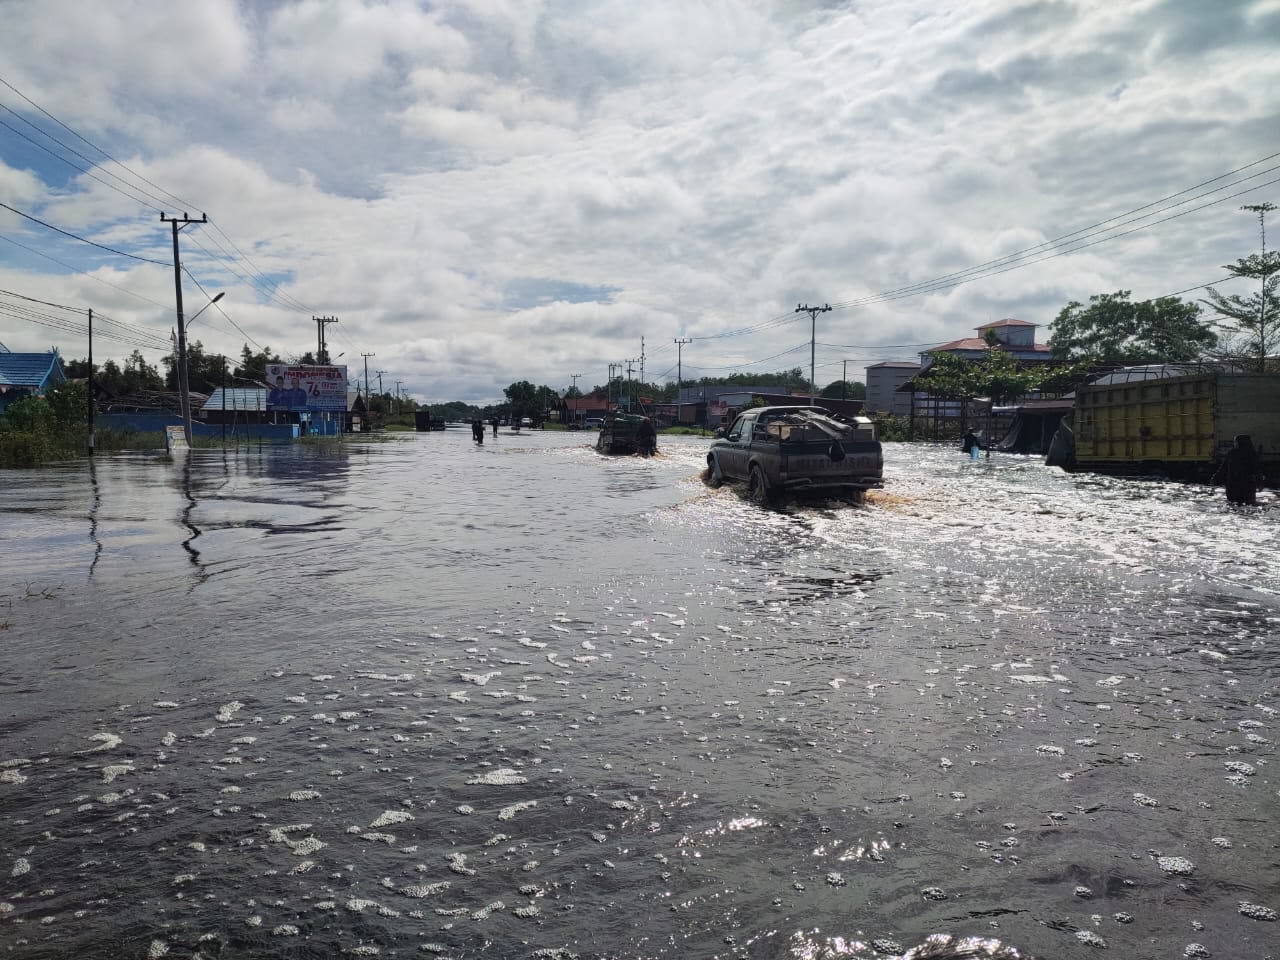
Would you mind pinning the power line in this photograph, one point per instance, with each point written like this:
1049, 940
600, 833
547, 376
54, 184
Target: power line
74, 166
1017, 259
83, 139
218, 307
74, 236
85, 273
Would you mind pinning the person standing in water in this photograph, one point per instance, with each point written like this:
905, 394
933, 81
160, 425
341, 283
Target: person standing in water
494, 421
971, 445
477, 431
1240, 472
646, 438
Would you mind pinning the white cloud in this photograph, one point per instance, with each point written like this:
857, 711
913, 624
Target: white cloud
460, 183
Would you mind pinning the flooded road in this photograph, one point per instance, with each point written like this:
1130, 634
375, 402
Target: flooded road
419, 698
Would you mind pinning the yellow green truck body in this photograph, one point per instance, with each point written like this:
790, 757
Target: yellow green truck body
1183, 425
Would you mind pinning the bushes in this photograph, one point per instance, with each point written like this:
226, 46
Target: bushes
24, 448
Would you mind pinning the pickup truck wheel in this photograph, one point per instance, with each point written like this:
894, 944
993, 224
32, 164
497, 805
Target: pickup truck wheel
715, 478
758, 488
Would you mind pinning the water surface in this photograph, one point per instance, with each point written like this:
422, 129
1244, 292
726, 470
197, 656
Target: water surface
419, 698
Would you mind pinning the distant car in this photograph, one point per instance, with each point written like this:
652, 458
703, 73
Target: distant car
593, 423
791, 451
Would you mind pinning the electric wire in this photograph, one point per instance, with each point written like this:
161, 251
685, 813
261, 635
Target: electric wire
85, 273
74, 236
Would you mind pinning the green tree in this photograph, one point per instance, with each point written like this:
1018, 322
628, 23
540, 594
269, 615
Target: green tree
1252, 322
522, 396
253, 366
839, 389
1114, 330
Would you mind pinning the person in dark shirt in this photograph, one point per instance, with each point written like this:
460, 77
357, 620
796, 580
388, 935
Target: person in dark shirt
477, 431
971, 445
1240, 472
646, 438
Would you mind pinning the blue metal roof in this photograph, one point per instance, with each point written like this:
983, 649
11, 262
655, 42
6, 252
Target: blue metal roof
34, 370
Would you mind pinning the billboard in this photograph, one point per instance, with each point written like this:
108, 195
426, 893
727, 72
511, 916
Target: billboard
294, 386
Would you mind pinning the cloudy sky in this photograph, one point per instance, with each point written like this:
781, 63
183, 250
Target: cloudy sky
486, 190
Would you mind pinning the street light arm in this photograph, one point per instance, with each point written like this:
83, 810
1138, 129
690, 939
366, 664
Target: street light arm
216, 298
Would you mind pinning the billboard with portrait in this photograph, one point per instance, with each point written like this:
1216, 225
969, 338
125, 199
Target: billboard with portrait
292, 386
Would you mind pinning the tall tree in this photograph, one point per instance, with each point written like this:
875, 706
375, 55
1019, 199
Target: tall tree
522, 398
1113, 329
1252, 322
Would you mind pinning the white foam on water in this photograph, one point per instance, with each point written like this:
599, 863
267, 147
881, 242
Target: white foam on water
304, 867
388, 817
502, 777
1091, 939
157, 949
458, 864
488, 908
479, 679
106, 741
420, 891
1256, 911
111, 771
299, 795
228, 710
165, 705
1179, 866
387, 677
285, 930
169, 739
21, 866
13, 776
508, 812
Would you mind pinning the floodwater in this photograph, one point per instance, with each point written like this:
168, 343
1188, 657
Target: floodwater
419, 698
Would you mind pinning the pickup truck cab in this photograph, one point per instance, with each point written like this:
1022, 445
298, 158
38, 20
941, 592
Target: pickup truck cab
790, 451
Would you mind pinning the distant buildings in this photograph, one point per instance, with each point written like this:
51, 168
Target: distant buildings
883, 381
28, 374
1016, 337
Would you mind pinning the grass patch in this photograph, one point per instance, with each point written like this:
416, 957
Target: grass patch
683, 431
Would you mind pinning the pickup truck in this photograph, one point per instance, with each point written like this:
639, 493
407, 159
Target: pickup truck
781, 451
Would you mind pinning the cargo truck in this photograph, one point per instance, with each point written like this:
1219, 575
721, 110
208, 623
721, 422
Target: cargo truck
1177, 420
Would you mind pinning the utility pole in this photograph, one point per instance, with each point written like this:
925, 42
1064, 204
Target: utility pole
844, 381
322, 353
813, 336
399, 408
680, 342
642, 359
366, 379
630, 369
1262, 209
91, 405
378, 374
609, 385
574, 377
180, 361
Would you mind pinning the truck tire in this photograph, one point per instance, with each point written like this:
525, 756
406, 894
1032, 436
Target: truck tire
715, 478
758, 488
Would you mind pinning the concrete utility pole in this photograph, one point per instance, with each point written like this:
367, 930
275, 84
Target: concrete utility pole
366, 378
813, 336
642, 359
91, 407
180, 361
844, 381
399, 408
575, 377
680, 342
630, 369
1262, 209
609, 383
322, 352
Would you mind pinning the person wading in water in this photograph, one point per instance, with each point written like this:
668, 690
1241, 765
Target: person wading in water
1240, 472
